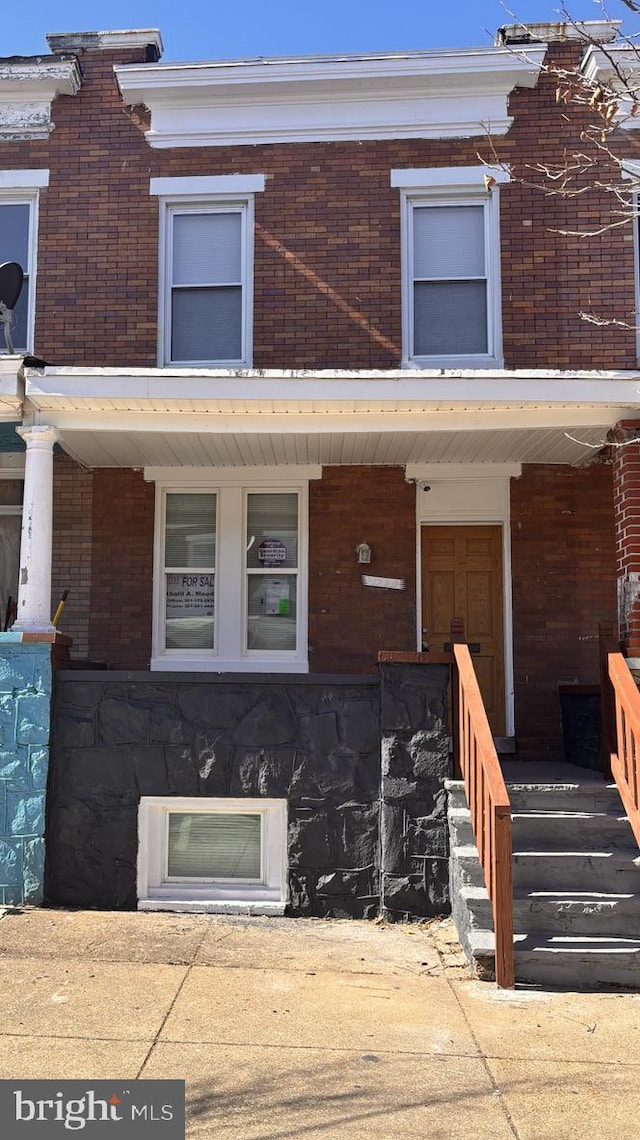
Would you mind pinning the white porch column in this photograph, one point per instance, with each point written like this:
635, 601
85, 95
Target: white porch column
34, 586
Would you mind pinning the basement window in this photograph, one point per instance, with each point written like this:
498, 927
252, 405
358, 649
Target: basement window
217, 855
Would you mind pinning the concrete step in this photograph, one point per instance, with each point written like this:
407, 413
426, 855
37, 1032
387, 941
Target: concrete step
591, 796
561, 912
573, 962
615, 871
552, 830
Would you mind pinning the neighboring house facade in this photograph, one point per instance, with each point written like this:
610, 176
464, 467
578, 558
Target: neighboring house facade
305, 355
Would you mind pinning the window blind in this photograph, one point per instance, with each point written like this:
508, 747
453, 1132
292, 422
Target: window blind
190, 539
207, 249
213, 845
448, 242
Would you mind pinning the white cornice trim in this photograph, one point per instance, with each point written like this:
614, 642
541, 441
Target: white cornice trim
588, 31
105, 41
618, 66
414, 95
27, 90
208, 184
445, 176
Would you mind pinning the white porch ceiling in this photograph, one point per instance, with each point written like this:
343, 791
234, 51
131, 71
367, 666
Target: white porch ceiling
233, 449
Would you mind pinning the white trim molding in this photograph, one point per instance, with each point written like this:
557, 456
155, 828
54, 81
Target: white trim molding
28, 88
158, 891
617, 66
197, 186
446, 177
24, 179
470, 494
428, 94
106, 41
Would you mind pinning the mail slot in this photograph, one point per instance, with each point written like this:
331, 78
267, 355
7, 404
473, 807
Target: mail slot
472, 646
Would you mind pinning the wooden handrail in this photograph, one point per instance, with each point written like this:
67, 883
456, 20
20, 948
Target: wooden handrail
476, 763
621, 726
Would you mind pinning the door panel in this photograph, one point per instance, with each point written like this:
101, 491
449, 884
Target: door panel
462, 578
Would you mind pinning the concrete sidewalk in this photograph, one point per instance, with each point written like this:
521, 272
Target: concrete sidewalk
310, 1028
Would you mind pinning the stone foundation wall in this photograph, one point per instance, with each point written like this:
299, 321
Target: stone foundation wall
314, 741
25, 702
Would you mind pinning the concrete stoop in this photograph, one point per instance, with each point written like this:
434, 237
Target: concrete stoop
576, 882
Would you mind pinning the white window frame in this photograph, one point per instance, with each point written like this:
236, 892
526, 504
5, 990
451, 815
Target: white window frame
157, 891
216, 194
22, 188
455, 186
231, 486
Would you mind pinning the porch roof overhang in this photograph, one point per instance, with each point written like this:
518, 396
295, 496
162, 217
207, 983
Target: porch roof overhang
109, 417
11, 388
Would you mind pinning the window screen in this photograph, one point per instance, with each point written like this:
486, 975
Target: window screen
450, 282
213, 845
206, 286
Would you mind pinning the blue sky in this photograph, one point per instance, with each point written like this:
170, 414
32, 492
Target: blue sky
206, 29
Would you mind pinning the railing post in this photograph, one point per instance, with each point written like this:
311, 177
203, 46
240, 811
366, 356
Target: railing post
503, 900
607, 698
457, 637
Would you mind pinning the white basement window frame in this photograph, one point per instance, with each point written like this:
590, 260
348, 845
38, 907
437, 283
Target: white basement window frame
196, 212
264, 892
473, 191
233, 576
19, 200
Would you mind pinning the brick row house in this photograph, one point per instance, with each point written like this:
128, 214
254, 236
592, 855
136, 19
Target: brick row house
301, 375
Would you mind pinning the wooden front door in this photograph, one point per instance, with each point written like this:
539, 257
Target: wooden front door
462, 578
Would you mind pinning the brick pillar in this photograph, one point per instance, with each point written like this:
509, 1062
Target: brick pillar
626, 500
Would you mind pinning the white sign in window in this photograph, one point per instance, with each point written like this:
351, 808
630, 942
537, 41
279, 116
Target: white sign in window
272, 540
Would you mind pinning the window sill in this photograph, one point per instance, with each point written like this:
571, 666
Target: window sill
216, 665
452, 363
213, 906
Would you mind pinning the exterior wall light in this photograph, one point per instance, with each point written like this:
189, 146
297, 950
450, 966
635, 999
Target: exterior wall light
363, 552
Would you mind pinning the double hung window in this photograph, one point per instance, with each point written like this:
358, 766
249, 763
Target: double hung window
206, 269
19, 190
451, 268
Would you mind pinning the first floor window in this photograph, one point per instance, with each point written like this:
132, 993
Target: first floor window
212, 854
231, 578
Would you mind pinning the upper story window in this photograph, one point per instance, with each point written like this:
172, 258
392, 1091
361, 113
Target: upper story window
206, 269
18, 240
451, 299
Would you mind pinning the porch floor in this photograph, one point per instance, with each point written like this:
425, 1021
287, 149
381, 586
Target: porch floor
549, 772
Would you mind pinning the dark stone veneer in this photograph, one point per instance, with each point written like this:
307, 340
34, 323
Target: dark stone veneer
315, 740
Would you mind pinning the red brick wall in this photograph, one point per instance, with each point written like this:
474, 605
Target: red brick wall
72, 521
348, 622
327, 266
626, 490
564, 584
121, 569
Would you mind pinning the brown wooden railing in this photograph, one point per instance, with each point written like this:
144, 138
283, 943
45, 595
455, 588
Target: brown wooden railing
620, 726
476, 762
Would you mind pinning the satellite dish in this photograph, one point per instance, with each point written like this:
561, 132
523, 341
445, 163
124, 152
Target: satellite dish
11, 279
